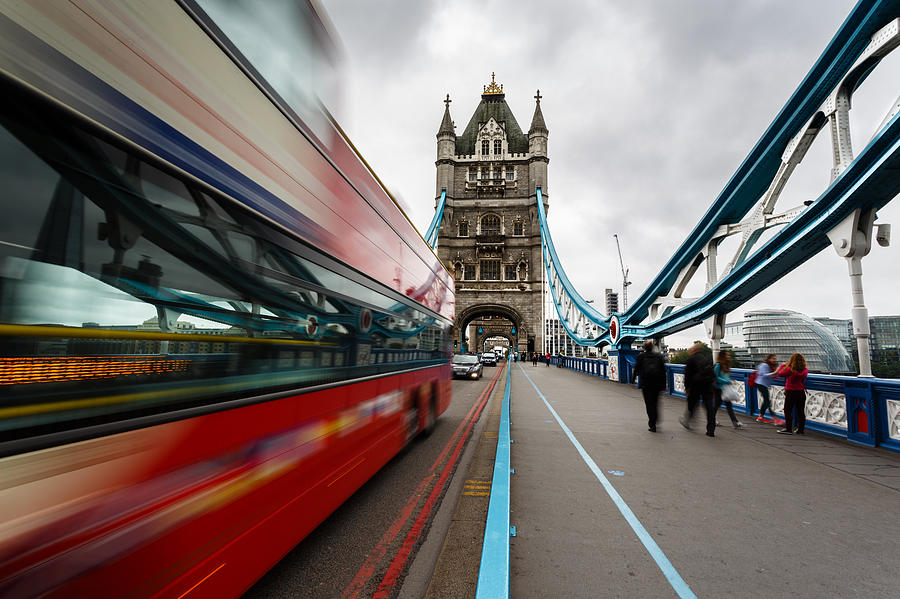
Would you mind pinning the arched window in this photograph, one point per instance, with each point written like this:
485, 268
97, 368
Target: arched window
490, 225
463, 228
458, 271
498, 147
485, 146
518, 228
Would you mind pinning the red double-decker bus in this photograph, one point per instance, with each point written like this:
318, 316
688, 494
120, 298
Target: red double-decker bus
215, 322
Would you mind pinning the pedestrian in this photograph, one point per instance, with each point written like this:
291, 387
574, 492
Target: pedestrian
559, 360
650, 370
765, 372
725, 393
547, 357
794, 373
699, 380
534, 358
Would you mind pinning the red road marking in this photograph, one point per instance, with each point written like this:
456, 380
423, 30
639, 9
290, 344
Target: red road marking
399, 562
368, 568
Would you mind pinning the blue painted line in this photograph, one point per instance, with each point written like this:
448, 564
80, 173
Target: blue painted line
668, 570
493, 574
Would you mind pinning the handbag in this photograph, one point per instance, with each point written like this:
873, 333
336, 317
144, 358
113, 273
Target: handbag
730, 393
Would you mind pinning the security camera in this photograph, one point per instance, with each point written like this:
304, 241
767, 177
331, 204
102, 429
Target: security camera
883, 234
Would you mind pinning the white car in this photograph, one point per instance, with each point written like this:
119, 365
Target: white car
489, 358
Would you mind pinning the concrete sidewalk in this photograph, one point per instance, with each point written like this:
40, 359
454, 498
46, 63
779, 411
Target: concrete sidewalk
748, 513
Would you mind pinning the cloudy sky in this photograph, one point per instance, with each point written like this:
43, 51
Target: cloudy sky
651, 107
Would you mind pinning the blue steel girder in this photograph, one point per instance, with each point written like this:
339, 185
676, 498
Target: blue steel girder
757, 172
868, 182
431, 236
584, 324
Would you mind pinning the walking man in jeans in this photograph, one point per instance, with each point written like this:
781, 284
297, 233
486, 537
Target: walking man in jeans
699, 381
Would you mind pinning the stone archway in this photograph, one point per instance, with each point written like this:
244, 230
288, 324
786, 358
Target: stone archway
515, 332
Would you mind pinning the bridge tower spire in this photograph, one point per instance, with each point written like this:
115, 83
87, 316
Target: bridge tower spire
537, 147
446, 149
490, 236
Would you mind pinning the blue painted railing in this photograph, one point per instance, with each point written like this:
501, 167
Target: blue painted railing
868, 414
493, 574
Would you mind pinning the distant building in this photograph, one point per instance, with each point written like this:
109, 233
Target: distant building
884, 336
783, 332
558, 341
612, 301
842, 329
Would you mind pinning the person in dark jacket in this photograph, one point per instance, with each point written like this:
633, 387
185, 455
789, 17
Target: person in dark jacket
699, 384
650, 370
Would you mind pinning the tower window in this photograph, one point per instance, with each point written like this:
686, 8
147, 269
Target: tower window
509, 272
490, 225
518, 228
485, 147
463, 229
469, 273
498, 147
510, 173
490, 270
458, 271
471, 174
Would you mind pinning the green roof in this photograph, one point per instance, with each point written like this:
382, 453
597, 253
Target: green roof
492, 106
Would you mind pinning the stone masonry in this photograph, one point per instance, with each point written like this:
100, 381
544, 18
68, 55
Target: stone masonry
490, 234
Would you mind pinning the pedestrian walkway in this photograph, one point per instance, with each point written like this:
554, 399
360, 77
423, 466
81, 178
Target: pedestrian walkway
604, 508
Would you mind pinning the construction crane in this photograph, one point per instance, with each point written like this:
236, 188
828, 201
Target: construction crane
625, 281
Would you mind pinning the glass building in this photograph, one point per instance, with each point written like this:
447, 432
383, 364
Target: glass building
783, 332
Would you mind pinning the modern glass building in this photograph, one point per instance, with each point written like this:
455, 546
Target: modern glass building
783, 332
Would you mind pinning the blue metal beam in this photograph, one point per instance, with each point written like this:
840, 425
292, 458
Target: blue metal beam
756, 172
431, 236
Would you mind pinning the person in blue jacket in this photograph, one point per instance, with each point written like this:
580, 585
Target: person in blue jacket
723, 381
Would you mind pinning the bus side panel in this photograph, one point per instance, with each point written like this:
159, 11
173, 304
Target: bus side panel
233, 493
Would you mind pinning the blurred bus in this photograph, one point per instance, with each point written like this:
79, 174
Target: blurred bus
215, 322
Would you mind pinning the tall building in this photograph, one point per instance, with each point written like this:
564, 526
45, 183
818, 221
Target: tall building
490, 234
612, 301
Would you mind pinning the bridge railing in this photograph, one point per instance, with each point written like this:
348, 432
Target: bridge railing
862, 410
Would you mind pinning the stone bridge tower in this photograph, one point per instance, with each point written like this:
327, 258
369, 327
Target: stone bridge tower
490, 235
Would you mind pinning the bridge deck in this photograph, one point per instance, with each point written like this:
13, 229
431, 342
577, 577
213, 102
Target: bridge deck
749, 513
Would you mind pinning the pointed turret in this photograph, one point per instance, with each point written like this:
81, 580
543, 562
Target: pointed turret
447, 125
537, 147
537, 121
446, 149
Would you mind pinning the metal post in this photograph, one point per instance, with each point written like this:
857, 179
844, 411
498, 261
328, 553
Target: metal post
715, 328
852, 239
859, 315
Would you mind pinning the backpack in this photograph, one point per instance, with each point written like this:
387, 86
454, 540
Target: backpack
751, 380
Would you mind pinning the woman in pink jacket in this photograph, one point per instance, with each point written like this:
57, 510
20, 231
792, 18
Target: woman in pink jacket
794, 372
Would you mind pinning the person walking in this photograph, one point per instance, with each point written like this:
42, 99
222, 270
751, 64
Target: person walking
765, 372
534, 358
650, 370
547, 357
699, 379
794, 373
724, 390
